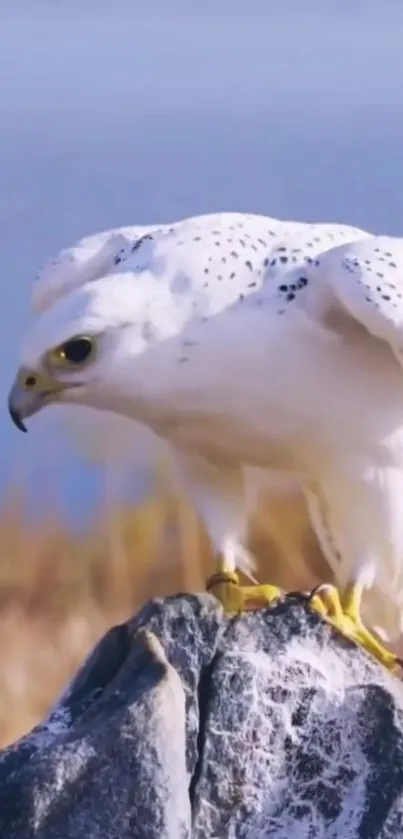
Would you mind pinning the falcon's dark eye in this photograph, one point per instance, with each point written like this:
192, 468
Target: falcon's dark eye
77, 350
74, 352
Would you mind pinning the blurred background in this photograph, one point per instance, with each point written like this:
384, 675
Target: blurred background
129, 113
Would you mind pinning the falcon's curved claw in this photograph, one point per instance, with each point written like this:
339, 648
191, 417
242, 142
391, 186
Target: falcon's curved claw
343, 612
224, 584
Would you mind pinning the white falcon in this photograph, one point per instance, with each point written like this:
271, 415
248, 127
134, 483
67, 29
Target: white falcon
246, 342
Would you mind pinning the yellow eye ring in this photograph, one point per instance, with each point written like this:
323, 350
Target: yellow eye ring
74, 353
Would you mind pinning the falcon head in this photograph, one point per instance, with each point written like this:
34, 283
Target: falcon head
81, 349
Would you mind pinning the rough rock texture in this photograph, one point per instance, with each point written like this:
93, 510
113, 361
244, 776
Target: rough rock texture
184, 723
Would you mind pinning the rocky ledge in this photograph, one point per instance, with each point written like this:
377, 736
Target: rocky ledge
186, 723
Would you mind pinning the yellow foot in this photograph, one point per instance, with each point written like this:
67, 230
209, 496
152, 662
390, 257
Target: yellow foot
235, 598
343, 613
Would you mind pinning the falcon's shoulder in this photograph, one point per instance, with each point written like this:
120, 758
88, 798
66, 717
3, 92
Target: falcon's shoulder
366, 278
86, 260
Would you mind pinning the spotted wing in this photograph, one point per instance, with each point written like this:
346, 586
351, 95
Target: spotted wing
366, 277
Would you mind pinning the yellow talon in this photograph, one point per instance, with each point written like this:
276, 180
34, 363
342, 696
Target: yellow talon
236, 598
343, 612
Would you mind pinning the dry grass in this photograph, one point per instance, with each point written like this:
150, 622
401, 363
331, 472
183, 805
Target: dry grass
60, 592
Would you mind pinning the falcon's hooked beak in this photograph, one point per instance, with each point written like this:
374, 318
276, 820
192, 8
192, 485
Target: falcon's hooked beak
31, 391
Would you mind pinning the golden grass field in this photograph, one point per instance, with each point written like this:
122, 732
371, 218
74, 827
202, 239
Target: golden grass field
60, 592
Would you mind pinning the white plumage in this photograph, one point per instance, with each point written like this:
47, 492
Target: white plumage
246, 342
120, 443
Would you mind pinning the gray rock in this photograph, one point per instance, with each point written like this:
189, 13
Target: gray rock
185, 723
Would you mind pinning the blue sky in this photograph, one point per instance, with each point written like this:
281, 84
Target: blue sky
120, 113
